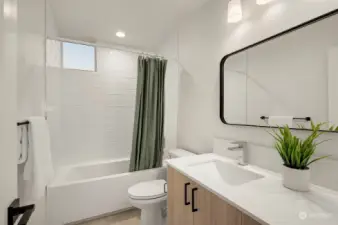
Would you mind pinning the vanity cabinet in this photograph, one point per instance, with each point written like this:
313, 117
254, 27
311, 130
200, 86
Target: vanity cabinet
191, 204
179, 199
223, 213
247, 220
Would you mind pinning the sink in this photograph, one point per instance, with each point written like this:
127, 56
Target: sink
226, 172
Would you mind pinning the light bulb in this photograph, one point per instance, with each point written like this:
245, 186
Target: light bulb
262, 2
10, 10
234, 11
120, 34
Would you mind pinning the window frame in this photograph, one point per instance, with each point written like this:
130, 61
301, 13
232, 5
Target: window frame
78, 43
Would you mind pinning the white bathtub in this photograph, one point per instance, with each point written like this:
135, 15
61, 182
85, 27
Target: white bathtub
90, 190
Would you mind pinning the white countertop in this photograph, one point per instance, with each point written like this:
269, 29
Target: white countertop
265, 199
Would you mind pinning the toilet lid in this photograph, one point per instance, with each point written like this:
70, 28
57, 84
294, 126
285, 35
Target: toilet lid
148, 190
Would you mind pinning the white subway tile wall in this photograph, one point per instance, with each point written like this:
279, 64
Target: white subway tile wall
92, 113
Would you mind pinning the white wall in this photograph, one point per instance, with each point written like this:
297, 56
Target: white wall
204, 39
31, 58
52, 29
8, 64
332, 80
31, 77
172, 85
53, 62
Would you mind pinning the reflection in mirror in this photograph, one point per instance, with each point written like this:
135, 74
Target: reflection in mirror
235, 85
293, 75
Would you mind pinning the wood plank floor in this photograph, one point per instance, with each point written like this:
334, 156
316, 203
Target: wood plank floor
131, 217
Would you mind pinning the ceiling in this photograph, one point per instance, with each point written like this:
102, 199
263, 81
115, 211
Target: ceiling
146, 22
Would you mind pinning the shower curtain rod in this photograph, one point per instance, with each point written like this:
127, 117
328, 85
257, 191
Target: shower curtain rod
108, 46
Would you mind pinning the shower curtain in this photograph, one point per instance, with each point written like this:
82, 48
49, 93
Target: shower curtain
148, 140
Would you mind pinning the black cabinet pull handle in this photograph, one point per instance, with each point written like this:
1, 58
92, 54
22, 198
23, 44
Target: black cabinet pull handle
186, 202
193, 200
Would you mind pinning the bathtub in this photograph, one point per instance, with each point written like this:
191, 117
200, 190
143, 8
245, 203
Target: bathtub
89, 190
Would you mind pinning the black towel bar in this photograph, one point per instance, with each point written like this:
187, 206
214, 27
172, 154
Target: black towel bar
296, 118
22, 123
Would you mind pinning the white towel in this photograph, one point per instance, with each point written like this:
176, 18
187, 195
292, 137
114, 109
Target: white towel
22, 144
38, 170
280, 121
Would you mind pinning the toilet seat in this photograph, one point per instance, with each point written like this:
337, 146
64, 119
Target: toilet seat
148, 190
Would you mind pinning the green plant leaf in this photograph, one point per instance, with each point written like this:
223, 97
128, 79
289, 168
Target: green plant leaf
317, 159
295, 152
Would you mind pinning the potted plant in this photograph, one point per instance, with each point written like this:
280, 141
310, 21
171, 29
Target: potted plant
297, 155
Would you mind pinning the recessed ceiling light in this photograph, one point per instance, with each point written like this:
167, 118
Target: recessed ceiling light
120, 34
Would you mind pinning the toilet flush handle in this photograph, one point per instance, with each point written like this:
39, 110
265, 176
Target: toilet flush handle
165, 187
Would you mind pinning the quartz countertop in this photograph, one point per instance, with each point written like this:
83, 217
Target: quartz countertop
265, 199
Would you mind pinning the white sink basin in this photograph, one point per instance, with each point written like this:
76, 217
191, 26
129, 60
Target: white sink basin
230, 174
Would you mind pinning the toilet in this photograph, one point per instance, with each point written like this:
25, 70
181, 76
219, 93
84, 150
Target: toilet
151, 196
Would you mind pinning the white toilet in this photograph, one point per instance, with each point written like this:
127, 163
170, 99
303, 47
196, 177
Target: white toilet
151, 196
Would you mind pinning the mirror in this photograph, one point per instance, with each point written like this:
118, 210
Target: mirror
292, 74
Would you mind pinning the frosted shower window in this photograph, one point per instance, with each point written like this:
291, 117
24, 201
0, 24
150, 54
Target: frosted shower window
77, 56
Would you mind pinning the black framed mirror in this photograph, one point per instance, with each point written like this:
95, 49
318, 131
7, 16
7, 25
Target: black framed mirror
293, 74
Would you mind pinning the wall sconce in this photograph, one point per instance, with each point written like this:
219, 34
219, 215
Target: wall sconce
262, 2
235, 13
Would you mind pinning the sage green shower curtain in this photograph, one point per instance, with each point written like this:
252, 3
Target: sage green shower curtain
148, 140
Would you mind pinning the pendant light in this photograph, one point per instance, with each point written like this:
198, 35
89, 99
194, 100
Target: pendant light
262, 2
234, 11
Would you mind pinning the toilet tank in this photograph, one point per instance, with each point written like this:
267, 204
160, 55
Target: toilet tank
178, 153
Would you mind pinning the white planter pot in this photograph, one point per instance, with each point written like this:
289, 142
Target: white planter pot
297, 180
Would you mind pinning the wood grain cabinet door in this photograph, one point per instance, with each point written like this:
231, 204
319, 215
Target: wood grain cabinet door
201, 205
179, 199
247, 220
191, 204
224, 214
